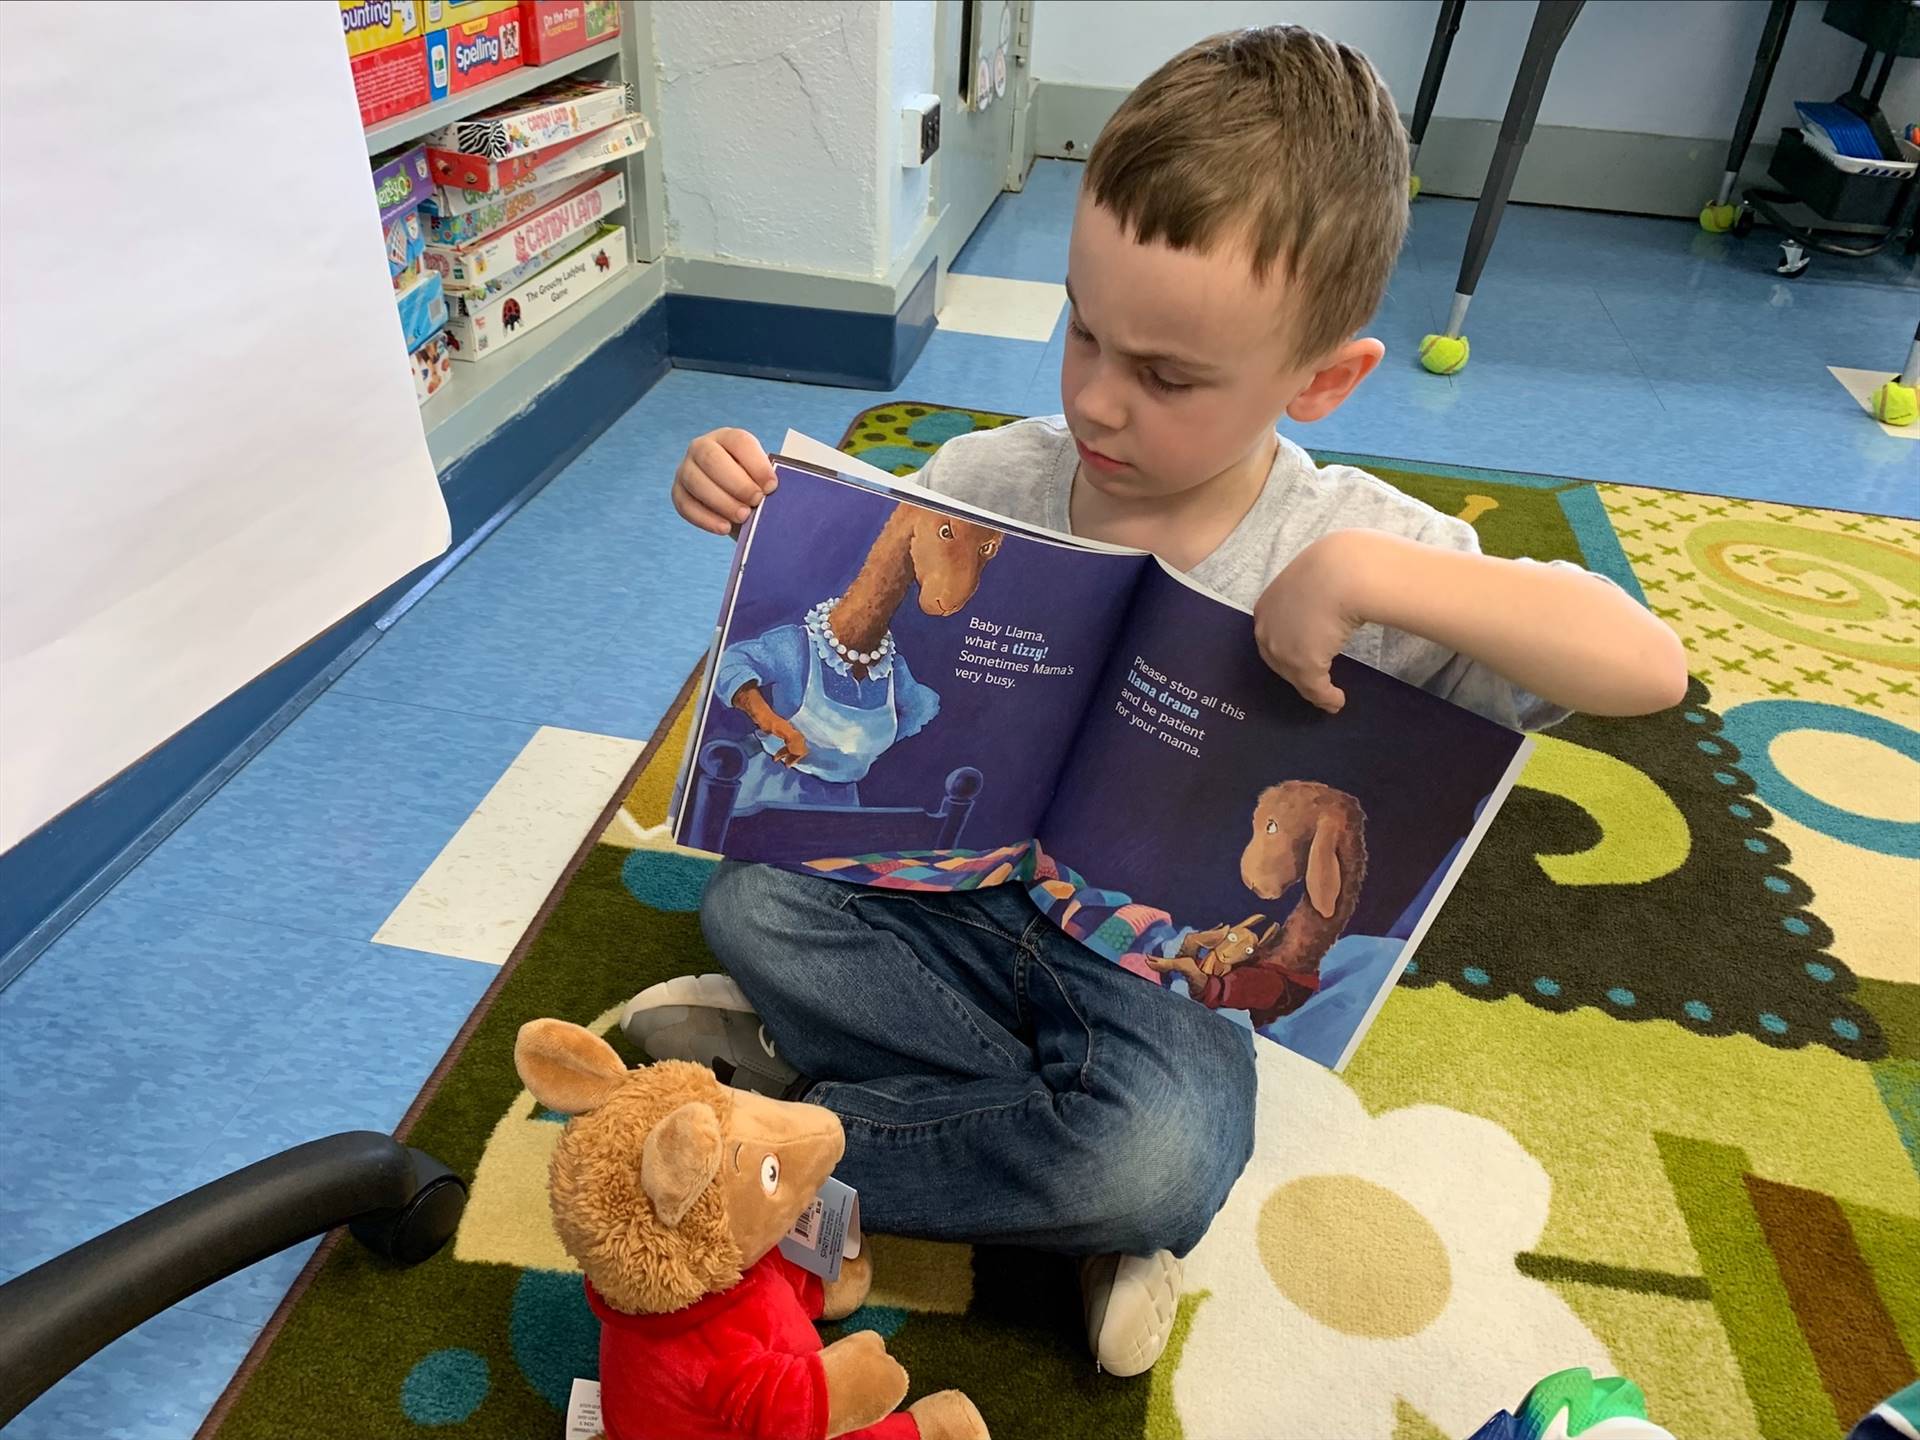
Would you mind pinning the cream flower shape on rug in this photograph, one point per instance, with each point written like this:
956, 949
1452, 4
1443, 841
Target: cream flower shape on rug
1367, 1259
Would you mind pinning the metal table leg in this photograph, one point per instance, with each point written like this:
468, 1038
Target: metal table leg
1897, 401
1721, 214
1445, 26
1445, 353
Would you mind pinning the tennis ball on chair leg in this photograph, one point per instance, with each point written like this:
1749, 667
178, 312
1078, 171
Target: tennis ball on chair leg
1718, 219
1413, 187
1443, 354
1895, 404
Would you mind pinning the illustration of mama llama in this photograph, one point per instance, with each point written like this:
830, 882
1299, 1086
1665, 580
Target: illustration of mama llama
831, 695
1303, 832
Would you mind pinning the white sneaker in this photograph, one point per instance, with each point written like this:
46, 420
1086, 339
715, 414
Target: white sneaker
1130, 1304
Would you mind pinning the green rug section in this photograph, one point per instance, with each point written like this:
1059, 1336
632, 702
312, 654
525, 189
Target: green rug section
1635, 988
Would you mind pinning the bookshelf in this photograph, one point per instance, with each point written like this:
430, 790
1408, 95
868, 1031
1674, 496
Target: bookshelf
481, 395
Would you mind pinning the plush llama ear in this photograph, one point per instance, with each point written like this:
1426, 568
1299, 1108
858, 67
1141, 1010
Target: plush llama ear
679, 1160
569, 1069
1273, 934
1323, 864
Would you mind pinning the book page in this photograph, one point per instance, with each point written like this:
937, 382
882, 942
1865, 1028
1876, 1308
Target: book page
1295, 856
890, 677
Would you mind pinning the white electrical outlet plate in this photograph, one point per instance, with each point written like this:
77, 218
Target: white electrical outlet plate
919, 130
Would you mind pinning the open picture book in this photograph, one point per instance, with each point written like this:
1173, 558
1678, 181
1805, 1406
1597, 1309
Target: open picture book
905, 691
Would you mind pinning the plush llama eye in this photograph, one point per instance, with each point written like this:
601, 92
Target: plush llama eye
946, 531
770, 1174
989, 548
1273, 827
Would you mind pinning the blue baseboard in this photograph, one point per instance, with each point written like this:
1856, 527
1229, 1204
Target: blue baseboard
52, 876
795, 342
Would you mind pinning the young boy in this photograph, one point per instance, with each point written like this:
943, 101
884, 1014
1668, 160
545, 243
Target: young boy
1238, 221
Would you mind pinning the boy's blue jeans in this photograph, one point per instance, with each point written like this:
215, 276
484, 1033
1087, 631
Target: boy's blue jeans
998, 1082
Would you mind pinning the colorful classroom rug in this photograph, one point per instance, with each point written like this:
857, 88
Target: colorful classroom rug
1650, 1102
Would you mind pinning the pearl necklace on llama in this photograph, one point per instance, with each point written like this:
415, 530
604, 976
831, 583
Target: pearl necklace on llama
836, 653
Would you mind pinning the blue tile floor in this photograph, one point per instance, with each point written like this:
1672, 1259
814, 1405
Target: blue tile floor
227, 1000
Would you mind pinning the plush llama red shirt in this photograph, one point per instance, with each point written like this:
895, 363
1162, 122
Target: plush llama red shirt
740, 1365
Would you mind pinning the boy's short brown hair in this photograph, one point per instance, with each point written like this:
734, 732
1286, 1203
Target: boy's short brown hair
1281, 141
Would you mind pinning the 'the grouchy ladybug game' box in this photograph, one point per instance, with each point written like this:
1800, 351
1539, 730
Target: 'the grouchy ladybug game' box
478, 330
551, 29
469, 54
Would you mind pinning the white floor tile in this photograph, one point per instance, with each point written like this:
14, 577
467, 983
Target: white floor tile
1861, 384
483, 890
1009, 309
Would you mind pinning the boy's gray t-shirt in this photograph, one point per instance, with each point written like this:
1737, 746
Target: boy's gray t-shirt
1025, 471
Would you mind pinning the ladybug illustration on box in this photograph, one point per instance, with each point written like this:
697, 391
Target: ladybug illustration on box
601, 261
510, 314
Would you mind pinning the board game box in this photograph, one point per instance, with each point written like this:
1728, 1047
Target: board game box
542, 117
480, 329
372, 25
557, 162
432, 365
466, 265
423, 309
504, 208
553, 29
473, 52
391, 81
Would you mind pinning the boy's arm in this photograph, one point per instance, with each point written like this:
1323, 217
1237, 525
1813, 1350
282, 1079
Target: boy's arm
1567, 636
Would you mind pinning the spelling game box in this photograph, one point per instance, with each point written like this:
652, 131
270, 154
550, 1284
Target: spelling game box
473, 52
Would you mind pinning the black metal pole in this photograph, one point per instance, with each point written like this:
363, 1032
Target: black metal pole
1551, 22
1445, 26
1773, 39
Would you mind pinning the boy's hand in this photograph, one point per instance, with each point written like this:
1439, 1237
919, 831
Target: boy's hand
1308, 612
723, 476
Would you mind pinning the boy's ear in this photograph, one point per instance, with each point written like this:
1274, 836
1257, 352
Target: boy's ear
1335, 378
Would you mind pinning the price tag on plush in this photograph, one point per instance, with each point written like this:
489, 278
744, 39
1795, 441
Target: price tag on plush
583, 1410
827, 1232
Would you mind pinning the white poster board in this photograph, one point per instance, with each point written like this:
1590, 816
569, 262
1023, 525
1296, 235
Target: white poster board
209, 446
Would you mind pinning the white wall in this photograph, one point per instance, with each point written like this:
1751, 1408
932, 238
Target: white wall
784, 120
774, 156
1634, 65
910, 46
